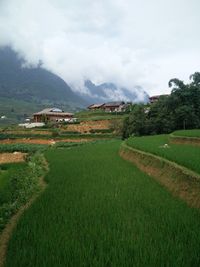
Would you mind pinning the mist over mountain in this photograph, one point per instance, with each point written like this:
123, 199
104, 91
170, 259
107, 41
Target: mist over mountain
34, 85
111, 92
24, 89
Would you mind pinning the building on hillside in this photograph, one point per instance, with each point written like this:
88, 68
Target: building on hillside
52, 114
115, 106
96, 106
155, 98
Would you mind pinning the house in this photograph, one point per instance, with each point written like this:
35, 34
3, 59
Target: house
155, 98
115, 106
96, 106
52, 114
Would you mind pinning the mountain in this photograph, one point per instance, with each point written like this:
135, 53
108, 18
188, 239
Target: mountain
111, 92
35, 86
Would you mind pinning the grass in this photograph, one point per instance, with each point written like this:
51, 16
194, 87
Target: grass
99, 210
98, 115
187, 133
6, 171
185, 155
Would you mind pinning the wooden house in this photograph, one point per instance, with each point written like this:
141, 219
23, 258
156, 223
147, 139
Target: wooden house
96, 106
114, 106
52, 114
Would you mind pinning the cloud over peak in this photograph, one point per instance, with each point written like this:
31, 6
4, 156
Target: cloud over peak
126, 42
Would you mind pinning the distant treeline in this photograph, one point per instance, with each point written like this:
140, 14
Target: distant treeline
179, 110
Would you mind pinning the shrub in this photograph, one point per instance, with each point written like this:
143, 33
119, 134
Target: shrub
24, 182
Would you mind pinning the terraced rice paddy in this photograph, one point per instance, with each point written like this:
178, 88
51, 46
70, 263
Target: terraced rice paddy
99, 210
185, 155
188, 133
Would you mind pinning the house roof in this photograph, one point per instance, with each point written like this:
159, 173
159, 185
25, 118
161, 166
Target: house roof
113, 104
53, 111
96, 105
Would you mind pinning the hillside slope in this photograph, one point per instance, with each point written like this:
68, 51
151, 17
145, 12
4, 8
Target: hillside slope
35, 86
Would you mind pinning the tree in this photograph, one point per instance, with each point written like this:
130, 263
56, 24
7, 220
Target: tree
180, 110
136, 123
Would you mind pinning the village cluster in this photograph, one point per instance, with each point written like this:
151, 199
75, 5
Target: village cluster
58, 115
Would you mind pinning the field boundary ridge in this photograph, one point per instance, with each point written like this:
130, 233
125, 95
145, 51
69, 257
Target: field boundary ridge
190, 140
180, 181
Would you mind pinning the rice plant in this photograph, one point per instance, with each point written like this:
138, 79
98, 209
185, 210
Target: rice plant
99, 210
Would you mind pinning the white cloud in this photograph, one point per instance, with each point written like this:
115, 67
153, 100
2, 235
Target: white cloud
127, 42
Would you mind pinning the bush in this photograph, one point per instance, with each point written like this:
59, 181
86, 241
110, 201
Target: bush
24, 182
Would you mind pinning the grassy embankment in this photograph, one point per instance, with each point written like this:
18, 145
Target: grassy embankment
100, 210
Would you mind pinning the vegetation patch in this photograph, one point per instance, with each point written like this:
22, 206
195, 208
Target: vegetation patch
17, 192
101, 131
179, 180
23, 182
26, 148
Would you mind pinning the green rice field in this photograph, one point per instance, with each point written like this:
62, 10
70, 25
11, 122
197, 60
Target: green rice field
99, 210
185, 155
188, 133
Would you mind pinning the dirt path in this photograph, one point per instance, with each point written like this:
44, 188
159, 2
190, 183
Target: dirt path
8, 230
12, 157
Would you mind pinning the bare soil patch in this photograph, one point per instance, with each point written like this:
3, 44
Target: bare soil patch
182, 182
12, 157
42, 141
27, 141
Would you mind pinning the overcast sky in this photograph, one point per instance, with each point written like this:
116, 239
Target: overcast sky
130, 42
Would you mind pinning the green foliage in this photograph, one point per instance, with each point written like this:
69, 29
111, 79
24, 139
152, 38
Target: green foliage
67, 144
101, 131
99, 115
180, 110
99, 210
22, 182
136, 122
66, 133
24, 135
31, 148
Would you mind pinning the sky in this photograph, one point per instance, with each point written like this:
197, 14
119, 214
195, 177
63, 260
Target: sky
129, 42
